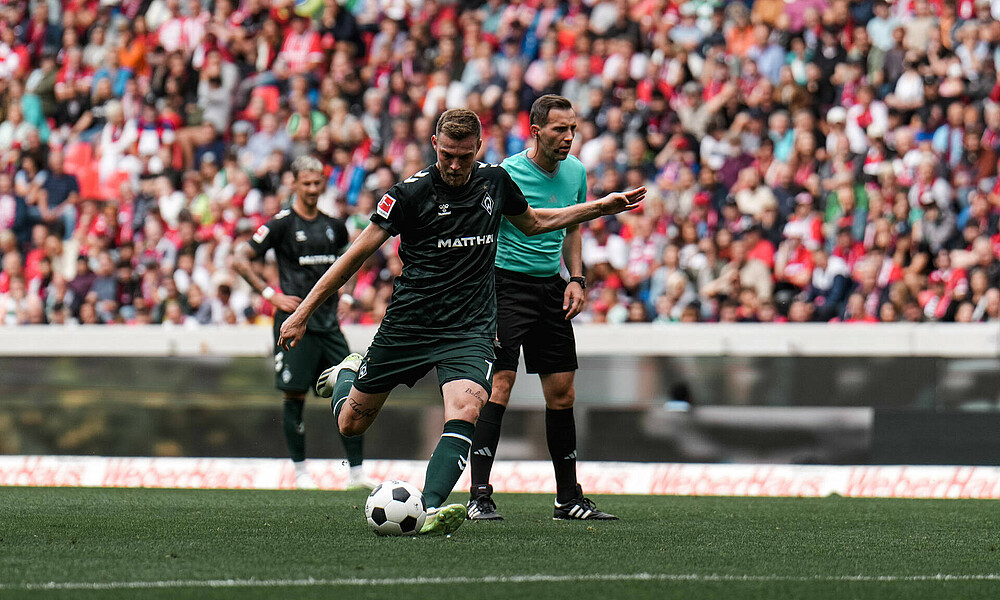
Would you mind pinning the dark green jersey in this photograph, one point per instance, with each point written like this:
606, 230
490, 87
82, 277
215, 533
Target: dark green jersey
305, 250
448, 244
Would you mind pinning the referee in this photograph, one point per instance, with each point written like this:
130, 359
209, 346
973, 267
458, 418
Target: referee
534, 311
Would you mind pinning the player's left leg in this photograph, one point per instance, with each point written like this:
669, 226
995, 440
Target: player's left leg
560, 434
463, 400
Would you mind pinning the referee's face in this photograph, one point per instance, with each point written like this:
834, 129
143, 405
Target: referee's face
308, 187
456, 157
555, 138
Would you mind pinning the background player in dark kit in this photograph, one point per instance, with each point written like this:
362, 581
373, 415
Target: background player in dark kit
443, 309
306, 242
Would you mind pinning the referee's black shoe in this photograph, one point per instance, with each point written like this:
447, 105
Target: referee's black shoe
580, 509
481, 505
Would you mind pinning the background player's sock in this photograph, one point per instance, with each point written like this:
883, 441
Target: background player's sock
560, 433
341, 389
484, 442
448, 461
354, 447
295, 431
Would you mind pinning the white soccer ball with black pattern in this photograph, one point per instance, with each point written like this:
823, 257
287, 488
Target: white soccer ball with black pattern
396, 508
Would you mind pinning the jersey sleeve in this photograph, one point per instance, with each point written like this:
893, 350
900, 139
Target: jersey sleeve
340, 233
266, 236
513, 199
388, 211
581, 194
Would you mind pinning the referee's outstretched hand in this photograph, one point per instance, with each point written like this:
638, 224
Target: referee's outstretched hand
617, 202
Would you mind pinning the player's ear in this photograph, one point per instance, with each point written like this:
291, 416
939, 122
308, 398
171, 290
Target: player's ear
479, 144
434, 142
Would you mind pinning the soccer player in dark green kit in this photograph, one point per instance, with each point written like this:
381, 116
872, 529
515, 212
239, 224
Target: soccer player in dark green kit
443, 309
535, 307
305, 242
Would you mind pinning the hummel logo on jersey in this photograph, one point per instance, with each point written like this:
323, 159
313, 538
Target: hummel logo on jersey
462, 242
462, 463
483, 452
443, 210
300, 236
488, 203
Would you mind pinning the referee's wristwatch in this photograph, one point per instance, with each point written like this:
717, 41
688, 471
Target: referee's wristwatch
581, 280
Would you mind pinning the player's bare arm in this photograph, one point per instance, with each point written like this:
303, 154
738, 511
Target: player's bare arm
541, 220
339, 273
575, 297
242, 259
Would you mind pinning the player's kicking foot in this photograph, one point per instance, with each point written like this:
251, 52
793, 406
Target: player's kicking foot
443, 520
481, 504
580, 509
328, 378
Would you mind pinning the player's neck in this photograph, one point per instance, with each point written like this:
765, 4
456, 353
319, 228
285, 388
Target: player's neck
304, 211
546, 163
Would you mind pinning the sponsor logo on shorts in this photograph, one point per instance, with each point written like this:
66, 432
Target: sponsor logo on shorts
385, 206
462, 242
363, 370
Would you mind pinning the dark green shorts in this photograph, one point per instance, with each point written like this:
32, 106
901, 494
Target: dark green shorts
297, 369
394, 359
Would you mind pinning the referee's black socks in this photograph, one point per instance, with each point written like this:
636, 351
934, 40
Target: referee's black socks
560, 433
484, 442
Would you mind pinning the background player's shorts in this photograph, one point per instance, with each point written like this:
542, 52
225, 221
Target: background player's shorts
393, 359
530, 315
296, 369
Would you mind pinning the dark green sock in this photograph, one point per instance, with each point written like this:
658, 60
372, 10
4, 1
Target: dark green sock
295, 431
341, 389
448, 461
354, 447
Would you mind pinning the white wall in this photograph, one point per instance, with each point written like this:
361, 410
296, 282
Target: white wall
944, 340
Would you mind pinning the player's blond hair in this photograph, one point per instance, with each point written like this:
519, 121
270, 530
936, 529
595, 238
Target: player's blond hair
306, 163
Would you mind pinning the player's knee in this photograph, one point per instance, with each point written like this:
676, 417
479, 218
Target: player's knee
503, 381
350, 427
561, 400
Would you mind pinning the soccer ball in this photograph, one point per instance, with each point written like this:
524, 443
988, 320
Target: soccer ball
396, 508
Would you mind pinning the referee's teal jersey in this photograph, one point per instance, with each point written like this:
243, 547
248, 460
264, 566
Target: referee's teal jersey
539, 255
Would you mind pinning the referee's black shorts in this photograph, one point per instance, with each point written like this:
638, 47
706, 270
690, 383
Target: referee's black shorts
530, 315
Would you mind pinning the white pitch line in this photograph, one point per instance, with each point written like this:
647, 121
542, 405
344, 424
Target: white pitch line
664, 577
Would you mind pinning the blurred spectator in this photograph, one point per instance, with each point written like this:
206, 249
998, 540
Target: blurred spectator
806, 160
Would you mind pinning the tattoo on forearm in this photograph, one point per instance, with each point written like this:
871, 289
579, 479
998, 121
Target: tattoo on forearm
478, 395
361, 412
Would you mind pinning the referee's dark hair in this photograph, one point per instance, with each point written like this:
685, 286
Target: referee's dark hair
459, 124
541, 107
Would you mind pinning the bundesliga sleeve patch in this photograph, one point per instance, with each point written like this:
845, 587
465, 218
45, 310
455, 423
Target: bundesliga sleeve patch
261, 233
385, 206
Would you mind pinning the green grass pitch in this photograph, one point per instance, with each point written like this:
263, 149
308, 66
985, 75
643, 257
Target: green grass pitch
178, 544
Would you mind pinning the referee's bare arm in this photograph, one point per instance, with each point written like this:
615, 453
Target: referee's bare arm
370, 240
541, 220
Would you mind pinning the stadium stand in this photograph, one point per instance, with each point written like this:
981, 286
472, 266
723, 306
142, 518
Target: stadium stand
809, 160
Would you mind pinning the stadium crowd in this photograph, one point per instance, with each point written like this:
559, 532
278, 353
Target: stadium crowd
808, 160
